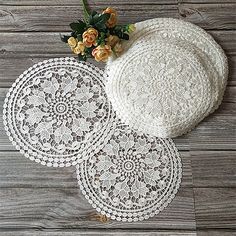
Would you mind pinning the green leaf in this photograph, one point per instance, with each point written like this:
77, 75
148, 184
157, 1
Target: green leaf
86, 11
120, 32
78, 27
82, 57
81, 22
93, 19
100, 27
94, 13
64, 38
73, 34
101, 38
79, 37
88, 51
103, 18
98, 21
125, 36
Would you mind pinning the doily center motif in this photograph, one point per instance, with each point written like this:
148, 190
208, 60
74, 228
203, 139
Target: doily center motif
133, 177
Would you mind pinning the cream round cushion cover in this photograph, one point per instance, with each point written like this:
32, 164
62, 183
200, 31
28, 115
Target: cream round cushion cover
171, 75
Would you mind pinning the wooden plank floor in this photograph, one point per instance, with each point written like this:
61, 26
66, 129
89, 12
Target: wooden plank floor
35, 200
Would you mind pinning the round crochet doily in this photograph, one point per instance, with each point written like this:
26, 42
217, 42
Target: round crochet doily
133, 177
57, 110
160, 88
175, 29
184, 35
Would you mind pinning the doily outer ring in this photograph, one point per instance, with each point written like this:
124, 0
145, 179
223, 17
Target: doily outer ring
86, 148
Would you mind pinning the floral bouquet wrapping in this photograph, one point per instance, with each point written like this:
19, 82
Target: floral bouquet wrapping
97, 36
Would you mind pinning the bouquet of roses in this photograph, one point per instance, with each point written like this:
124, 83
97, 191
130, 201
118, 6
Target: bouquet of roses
97, 36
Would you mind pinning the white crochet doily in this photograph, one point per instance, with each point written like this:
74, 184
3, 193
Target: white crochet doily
160, 88
175, 29
149, 36
57, 110
133, 177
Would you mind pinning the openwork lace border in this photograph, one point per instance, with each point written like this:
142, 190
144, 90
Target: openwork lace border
104, 209
58, 162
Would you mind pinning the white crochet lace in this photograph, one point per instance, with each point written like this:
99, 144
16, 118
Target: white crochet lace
160, 89
133, 177
188, 33
57, 110
171, 75
57, 114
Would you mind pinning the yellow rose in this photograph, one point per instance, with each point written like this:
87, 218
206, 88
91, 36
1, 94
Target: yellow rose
131, 28
113, 17
101, 53
89, 37
79, 49
72, 42
112, 40
118, 48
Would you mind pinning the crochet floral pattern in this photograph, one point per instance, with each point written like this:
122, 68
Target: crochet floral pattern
178, 31
161, 58
160, 89
133, 177
56, 110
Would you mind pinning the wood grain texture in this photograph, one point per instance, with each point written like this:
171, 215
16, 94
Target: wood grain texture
206, 1
106, 3
53, 18
63, 208
16, 171
36, 44
215, 208
219, 232
105, 232
214, 168
217, 131
210, 16
35, 200
92, 3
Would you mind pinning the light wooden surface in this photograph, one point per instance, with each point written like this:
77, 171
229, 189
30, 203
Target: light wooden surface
35, 200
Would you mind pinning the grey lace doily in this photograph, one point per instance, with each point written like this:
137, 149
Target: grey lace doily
57, 111
133, 177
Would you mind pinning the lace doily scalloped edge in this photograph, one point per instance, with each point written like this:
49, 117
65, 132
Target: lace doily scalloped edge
171, 195
157, 130
20, 148
221, 92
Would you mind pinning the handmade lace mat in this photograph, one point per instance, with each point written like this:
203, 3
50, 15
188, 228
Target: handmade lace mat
160, 89
133, 177
185, 35
57, 114
58, 110
178, 30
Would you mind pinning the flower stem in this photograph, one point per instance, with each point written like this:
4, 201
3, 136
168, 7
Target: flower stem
86, 12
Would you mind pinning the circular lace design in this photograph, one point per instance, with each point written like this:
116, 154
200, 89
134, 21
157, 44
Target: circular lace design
57, 110
133, 177
206, 47
160, 88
